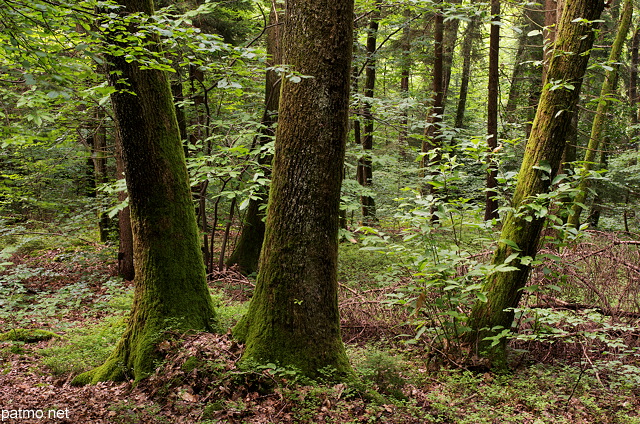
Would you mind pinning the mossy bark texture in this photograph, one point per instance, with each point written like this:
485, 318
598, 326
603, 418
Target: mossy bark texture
542, 157
598, 125
293, 318
171, 293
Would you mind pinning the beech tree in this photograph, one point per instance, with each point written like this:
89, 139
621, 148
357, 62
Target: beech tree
293, 317
171, 291
522, 227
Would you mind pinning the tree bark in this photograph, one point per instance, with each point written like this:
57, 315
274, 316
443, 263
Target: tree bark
526, 80
365, 164
432, 141
470, 35
125, 247
404, 78
633, 80
598, 124
171, 291
491, 203
521, 230
293, 317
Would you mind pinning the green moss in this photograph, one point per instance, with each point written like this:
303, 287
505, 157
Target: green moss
27, 335
83, 347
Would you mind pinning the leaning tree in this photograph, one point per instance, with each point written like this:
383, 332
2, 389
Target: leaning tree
171, 292
522, 227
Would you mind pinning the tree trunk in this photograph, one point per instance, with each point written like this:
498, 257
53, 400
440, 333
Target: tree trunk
526, 80
449, 39
521, 231
365, 166
125, 248
293, 317
633, 81
247, 250
597, 126
491, 203
432, 141
171, 291
470, 35
404, 78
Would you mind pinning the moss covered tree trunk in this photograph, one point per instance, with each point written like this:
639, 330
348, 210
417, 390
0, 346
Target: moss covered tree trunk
170, 283
246, 253
598, 125
521, 231
293, 317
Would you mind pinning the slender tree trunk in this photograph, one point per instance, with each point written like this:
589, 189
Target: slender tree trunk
521, 231
597, 126
171, 291
491, 203
449, 39
365, 165
126, 268
404, 78
470, 35
633, 80
247, 250
526, 80
293, 317
432, 141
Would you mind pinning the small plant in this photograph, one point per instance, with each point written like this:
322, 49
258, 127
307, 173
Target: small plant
384, 371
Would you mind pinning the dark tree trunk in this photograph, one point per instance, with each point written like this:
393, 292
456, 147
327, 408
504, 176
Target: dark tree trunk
404, 78
491, 204
293, 317
126, 268
449, 39
521, 230
470, 35
365, 165
526, 80
633, 81
432, 133
171, 291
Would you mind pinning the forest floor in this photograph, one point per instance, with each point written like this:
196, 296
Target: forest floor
73, 292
